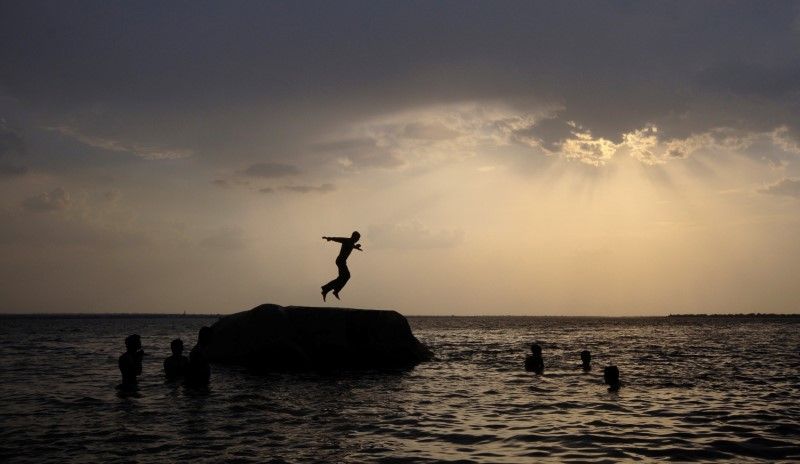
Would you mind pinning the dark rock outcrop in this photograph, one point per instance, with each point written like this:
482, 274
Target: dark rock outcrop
271, 337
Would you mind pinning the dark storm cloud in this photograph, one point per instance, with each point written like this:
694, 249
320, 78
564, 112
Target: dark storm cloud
220, 80
268, 170
748, 79
788, 187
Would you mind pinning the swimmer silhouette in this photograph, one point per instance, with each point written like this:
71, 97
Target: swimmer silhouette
199, 369
534, 361
130, 362
586, 360
611, 378
176, 365
348, 244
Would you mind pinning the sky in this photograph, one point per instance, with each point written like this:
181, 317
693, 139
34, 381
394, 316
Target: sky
542, 158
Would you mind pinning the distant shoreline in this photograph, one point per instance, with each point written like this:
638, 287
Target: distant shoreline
218, 315
103, 315
737, 316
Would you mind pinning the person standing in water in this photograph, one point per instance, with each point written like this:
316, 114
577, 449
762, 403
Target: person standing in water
339, 282
130, 362
534, 361
176, 365
586, 360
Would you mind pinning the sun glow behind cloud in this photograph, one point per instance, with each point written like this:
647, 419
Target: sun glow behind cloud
494, 162
582, 225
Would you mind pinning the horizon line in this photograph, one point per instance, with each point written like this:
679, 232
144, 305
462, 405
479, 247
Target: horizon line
202, 315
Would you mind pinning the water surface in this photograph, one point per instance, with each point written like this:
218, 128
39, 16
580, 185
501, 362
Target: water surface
694, 389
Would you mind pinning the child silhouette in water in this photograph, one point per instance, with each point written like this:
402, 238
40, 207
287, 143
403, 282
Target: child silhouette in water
341, 263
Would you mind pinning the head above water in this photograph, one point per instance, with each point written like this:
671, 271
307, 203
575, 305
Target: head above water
355, 236
176, 346
133, 342
586, 356
536, 349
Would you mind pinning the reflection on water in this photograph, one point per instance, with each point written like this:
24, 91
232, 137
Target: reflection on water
693, 389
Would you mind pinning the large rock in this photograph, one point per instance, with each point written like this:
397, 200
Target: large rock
272, 337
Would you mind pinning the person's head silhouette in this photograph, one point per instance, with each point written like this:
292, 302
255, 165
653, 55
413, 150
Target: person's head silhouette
176, 346
586, 359
133, 343
536, 350
355, 236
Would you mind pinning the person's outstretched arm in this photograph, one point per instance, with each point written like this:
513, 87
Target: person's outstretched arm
336, 239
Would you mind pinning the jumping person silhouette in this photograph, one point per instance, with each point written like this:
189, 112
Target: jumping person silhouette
341, 262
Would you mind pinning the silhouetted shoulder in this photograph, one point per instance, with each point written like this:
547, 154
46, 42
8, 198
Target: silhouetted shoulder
176, 366
534, 364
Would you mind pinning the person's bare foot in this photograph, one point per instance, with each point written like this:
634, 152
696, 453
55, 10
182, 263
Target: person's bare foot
324, 294
336, 294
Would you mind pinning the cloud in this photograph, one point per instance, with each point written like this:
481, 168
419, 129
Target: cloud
589, 150
56, 200
8, 171
788, 187
550, 133
11, 144
752, 80
493, 127
230, 183
20, 231
270, 170
11, 141
413, 235
609, 69
324, 188
429, 131
359, 152
141, 150
568, 139
422, 137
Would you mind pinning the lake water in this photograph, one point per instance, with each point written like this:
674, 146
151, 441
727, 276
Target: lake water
693, 389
